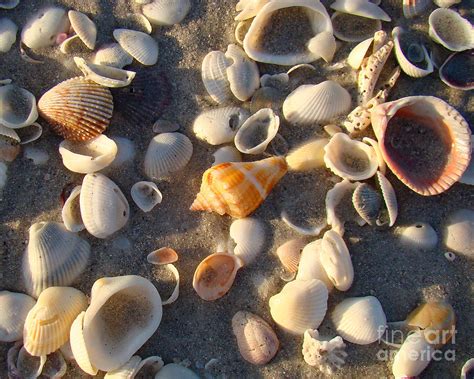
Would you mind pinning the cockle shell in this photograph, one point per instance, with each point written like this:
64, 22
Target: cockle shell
242, 73
54, 257
15, 308
18, 107
9, 4
389, 198
413, 357
458, 232
257, 341
325, 355
453, 71
84, 28
308, 156
449, 29
257, 132
336, 260
350, 28
8, 30
301, 305
238, 188
166, 12
290, 254
226, 154
78, 346
360, 320
167, 153
215, 275
71, 212
412, 8
362, 8
214, 76
162, 256
174, 370
146, 195
139, 45
104, 208
104, 75
77, 109
419, 236
311, 265
112, 55
367, 202
425, 142
249, 235
48, 322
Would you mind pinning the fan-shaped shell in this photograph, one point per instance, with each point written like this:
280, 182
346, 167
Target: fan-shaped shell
453, 71
458, 232
360, 320
257, 132
166, 154
412, 8
139, 45
290, 254
162, 256
84, 28
18, 107
166, 12
308, 156
363, 8
104, 75
146, 195
214, 77
419, 236
112, 55
54, 257
8, 30
174, 370
367, 202
15, 308
449, 29
78, 346
249, 236
71, 212
311, 265
242, 73
336, 260
350, 28
413, 357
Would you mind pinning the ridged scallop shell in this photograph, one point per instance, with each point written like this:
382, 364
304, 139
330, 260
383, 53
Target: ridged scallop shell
139, 45
257, 132
174, 370
71, 212
310, 104
249, 236
9, 4
54, 257
8, 30
290, 254
104, 208
425, 142
238, 188
301, 305
344, 30
18, 107
242, 73
362, 8
336, 260
449, 29
146, 195
358, 53
413, 357
257, 341
214, 77
311, 266
15, 308
360, 320
48, 322
77, 109
389, 198
162, 256
9, 144
458, 232
84, 28
453, 70
166, 12
167, 153
112, 55
308, 156
226, 154
367, 202
126, 371
419, 236
412, 8
104, 75
78, 346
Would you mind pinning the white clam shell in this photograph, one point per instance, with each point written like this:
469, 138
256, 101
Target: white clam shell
89, 156
413, 357
139, 45
174, 370
104, 208
363, 8
167, 153
419, 236
311, 266
242, 73
249, 235
360, 320
358, 53
458, 232
126, 371
111, 334
323, 44
226, 154
389, 197
84, 28
309, 104
54, 257
214, 77
112, 55
9, 4
137, 21
78, 346
146, 195
18, 107
451, 30
301, 305
412, 8
8, 30
15, 307
257, 132
166, 12
336, 260
106, 76
71, 212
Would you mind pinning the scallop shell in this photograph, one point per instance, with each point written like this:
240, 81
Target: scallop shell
226, 154
343, 24
163, 256
9, 144
238, 188
290, 254
467, 369
311, 265
453, 70
15, 307
9, 4
139, 45
84, 28
301, 305
458, 232
126, 371
420, 236
104, 75
308, 156
451, 30
249, 8
257, 132
77, 109
412, 8
360, 320
18, 107
174, 370
257, 341
424, 141
214, 77
8, 30
166, 12
389, 198
362, 8
249, 236
112, 55
78, 346
358, 53
310, 104
242, 73
71, 212
167, 153
336, 260
215, 275
146, 195
367, 202
413, 357
54, 257
104, 208
48, 322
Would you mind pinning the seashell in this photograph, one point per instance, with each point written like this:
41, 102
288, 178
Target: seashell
290, 254
136, 21
89, 156
424, 141
125, 153
336, 260
146, 195
350, 28
126, 371
84, 28
3, 175
166, 12
165, 126
389, 198
446, 3
112, 55
458, 232
174, 370
360, 320
249, 236
308, 156
242, 73
54, 257
9, 4
148, 367
332, 129
467, 369
375, 146
281, 81
267, 97
249, 8
241, 30
104, 75
367, 202
78, 346
167, 153
300, 305
72, 45
71, 212
310, 104
453, 71
350, 159
449, 29
218, 126
257, 132
23, 365
215, 275
325, 355
362, 8
412, 8
263, 41
111, 335
8, 31
77, 109
306, 231
44, 27
420, 236
18, 107
311, 266
413, 357
9, 144
55, 366
238, 188
29, 133
139, 45
104, 208
15, 307
358, 53
226, 154
214, 77
324, 44
163, 256
48, 322
257, 341
279, 145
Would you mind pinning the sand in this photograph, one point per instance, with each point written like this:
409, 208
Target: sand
193, 329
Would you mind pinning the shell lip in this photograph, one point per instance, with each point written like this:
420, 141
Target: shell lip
456, 83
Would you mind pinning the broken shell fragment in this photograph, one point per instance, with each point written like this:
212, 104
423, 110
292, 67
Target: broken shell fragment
104, 75
18, 107
367, 202
325, 355
163, 256
249, 8
257, 132
458, 232
146, 195
362, 8
454, 69
112, 55
84, 28
71, 212
174, 370
358, 53
449, 29
139, 45
249, 236
308, 156
126, 371
8, 30
214, 77
420, 236
15, 308
166, 12
148, 367
413, 357
242, 73
78, 346
290, 254
23, 365
336, 260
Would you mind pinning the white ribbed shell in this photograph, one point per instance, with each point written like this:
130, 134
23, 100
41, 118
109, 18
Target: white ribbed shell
245, 140
78, 346
249, 235
214, 77
113, 55
139, 45
15, 307
8, 31
166, 12
389, 197
84, 28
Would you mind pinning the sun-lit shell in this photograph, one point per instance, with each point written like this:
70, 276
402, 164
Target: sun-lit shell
8, 30
249, 8
344, 29
336, 260
249, 236
126, 371
453, 71
413, 357
242, 73
367, 202
71, 212
449, 29
112, 55
358, 53
54, 257
167, 153
15, 307
325, 355
104, 208
226, 154
389, 198
467, 369
311, 265
162, 256
9, 4
241, 30
458, 232
360, 320
48, 322
139, 45
425, 142
146, 195
310, 104
238, 188
174, 370
104, 75
363, 8
136, 21
308, 156
84, 28
215, 275
257, 132
420, 236
375, 145
166, 12
214, 77
290, 254
18, 107
412, 8
9, 144
301, 305
257, 341
78, 346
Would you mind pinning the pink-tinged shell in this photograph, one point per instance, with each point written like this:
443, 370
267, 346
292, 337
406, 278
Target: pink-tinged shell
162, 256
238, 188
424, 141
257, 341
290, 253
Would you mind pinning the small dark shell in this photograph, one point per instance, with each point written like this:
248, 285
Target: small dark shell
458, 70
367, 202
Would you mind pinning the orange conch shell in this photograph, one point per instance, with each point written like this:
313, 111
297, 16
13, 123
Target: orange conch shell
238, 188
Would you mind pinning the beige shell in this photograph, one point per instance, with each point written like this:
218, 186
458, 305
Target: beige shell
249, 235
257, 132
214, 77
308, 156
146, 195
420, 236
139, 45
311, 265
112, 55
362, 8
15, 308
162, 256
389, 198
104, 75
290, 254
8, 30
78, 346
126, 371
413, 357
148, 367
358, 53
336, 260
249, 8
458, 232
84, 28
71, 212
450, 29
136, 21
412, 8
166, 12
226, 154
242, 73
342, 24
12, 116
